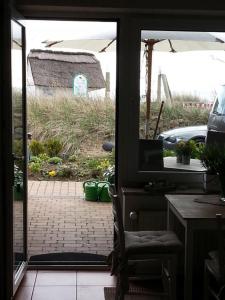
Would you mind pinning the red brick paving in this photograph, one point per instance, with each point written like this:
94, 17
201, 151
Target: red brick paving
60, 220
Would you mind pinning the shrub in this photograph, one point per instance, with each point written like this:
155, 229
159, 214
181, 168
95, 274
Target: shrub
66, 171
55, 160
167, 152
36, 147
43, 157
53, 147
73, 158
35, 167
36, 159
213, 158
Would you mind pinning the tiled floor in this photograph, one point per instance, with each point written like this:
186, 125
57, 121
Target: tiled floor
64, 285
60, 220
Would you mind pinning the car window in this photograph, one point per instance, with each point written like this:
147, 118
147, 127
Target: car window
219, 107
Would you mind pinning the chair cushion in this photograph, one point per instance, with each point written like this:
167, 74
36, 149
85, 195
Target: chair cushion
149, 242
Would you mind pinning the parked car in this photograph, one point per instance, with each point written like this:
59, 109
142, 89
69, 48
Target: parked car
172, 137
216, 120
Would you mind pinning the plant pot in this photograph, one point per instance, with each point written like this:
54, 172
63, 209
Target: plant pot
179, 158
186, 159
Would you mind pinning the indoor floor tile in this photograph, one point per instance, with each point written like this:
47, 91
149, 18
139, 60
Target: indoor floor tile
29, 278
24, 293
95, 278
55, 278
90, 292
54, 293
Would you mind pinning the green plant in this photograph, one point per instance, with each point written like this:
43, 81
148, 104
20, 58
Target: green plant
189, 147
103, 165
35, 159
66, 171
109, 174
72, 158
18, 176
167, 152
54, 160
213, 158
36, 147
43, 157
185, 148
35, 167
53, 147
179, 147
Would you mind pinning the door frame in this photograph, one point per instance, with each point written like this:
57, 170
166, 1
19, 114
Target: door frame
22, 268
8, 284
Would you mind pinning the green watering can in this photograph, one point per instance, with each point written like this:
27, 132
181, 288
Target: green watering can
103, 191
90, 190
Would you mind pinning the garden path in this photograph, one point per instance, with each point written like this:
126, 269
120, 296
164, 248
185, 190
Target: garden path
60, 220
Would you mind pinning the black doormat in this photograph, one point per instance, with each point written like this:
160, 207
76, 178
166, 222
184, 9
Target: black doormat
68, 258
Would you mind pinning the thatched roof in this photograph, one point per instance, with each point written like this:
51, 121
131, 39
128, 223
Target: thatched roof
58, 69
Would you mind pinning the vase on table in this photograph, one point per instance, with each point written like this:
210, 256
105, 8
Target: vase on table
186, 159
179, 158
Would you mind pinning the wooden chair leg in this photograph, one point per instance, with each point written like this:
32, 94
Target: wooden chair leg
119, 289
206, 283
173, 276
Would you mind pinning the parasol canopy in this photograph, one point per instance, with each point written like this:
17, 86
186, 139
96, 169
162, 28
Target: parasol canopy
166, 41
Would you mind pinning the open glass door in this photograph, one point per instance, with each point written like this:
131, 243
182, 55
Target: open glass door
19, 151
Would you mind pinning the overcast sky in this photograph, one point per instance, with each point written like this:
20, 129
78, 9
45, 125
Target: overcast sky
194, 72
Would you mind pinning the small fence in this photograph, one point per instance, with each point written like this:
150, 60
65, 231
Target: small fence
198, 105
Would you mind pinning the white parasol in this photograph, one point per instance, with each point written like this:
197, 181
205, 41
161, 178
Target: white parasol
167, 41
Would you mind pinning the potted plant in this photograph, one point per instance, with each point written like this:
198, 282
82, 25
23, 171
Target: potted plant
213, 159
187, 151
179, 151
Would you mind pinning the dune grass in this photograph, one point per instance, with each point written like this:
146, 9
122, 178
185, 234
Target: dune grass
86, 123
73, 121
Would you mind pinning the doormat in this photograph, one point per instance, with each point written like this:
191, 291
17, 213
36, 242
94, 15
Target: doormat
68, 258
134, 294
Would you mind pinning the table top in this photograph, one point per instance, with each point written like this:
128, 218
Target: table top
170, 162
187, 207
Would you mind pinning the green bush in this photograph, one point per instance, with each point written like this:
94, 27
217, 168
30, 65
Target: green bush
35, 167
35, 159
53, 147
36, 147
66, 171
73, 158
167, 152
43, 157
54, 160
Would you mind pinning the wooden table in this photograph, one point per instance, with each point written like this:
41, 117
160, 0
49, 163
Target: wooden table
170, 163
193, 216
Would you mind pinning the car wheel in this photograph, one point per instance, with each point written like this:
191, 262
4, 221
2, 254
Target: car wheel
199, 141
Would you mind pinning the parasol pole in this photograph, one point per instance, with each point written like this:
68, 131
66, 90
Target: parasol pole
149, 44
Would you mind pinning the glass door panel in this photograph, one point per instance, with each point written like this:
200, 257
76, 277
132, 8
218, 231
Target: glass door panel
19, 151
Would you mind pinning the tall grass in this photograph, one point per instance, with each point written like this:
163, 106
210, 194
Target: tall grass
86, 123
73, 121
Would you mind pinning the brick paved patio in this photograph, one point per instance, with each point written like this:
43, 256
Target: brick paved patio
60, 220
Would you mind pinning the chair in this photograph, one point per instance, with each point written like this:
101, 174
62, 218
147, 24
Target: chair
142, 246
214, 273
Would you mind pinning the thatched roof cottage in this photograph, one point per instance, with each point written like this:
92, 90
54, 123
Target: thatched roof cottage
51, 71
